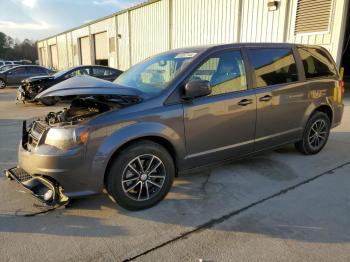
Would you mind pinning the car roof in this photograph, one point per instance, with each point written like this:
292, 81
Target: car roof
238, 45
81, 66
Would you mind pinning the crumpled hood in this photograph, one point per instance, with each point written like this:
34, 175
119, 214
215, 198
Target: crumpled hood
88, 86
34, 79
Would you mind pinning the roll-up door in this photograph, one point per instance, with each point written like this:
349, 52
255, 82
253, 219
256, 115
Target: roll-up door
101, 47
85, 50
54, 56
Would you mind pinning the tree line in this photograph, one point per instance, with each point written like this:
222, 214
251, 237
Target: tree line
14, 49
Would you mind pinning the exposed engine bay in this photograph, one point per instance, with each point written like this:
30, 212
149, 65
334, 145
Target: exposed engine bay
83, 108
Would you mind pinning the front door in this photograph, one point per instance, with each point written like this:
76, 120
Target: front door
221, 125
281, 96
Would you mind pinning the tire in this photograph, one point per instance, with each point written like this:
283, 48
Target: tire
134, 189
49, 101
2, 84
315, 135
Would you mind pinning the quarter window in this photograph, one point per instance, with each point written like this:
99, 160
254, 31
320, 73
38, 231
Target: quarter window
316, 63
224, 71
273, 66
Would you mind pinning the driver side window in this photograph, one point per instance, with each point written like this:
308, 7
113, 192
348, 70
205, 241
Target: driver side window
224, 71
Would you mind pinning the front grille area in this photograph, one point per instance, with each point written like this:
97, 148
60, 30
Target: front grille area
38, 127
19, 174
36, 132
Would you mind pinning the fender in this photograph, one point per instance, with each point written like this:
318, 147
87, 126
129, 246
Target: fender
313, 106
131, 132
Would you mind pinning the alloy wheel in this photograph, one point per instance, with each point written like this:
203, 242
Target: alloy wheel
143, 177
317, 134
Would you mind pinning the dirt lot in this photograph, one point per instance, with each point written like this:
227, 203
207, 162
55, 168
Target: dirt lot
279, 206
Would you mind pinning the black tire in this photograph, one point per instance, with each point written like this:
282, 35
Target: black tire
120, 173
307, 145
2, 83
49, 101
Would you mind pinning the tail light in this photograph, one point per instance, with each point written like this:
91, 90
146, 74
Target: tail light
342, 87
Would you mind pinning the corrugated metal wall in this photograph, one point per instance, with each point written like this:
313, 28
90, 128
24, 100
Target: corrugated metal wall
202, 22
149, 30
123, 45
154, 27
62, 52
260, 25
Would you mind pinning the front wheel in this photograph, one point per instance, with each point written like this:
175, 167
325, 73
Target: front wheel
49, 101
2, 84
141, 175
315, 134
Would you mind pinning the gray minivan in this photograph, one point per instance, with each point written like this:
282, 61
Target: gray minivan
178, 111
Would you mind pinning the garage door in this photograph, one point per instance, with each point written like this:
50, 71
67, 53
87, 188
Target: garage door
101, 46
85, 51
54, 56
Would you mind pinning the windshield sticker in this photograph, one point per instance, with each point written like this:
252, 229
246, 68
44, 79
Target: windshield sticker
185, 55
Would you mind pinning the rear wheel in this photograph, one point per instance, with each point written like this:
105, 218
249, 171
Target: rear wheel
141, 175
315, 135
2, 84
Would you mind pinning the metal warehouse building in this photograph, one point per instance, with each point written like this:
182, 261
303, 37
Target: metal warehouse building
129, 36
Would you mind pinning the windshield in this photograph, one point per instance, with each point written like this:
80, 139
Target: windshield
153, 75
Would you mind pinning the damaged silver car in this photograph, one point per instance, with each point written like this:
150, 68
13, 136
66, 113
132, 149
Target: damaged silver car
176, 112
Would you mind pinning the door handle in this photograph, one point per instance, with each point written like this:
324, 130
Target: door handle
265, 98
245, 102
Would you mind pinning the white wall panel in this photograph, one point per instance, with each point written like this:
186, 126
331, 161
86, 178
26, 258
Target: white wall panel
203, 22
149, 27
123, 41
260, 25
157, 26
70, 49
62, 52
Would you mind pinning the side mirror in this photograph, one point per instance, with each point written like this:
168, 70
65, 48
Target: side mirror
197, 88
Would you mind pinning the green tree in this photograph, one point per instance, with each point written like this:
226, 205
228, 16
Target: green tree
11, 49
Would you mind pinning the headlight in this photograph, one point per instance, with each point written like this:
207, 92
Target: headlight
66, 138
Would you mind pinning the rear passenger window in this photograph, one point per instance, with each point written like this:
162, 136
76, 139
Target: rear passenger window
316, 63
273, 66
224, 71
35, 70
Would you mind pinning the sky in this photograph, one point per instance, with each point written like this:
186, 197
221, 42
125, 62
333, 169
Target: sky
37, 19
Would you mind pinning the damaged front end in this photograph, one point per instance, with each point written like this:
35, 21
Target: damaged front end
52, 148
48, 192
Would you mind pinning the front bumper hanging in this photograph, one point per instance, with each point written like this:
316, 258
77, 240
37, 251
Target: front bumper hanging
41, 188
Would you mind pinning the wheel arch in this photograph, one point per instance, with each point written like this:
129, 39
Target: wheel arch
153, 138
327, 109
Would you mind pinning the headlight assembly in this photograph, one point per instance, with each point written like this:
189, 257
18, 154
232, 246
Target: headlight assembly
66, 138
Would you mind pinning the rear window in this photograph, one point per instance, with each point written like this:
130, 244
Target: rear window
316, 63
273, 66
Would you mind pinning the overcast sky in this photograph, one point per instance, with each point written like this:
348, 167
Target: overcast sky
36, 19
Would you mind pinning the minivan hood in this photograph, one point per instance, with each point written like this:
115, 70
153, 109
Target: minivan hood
88, 86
